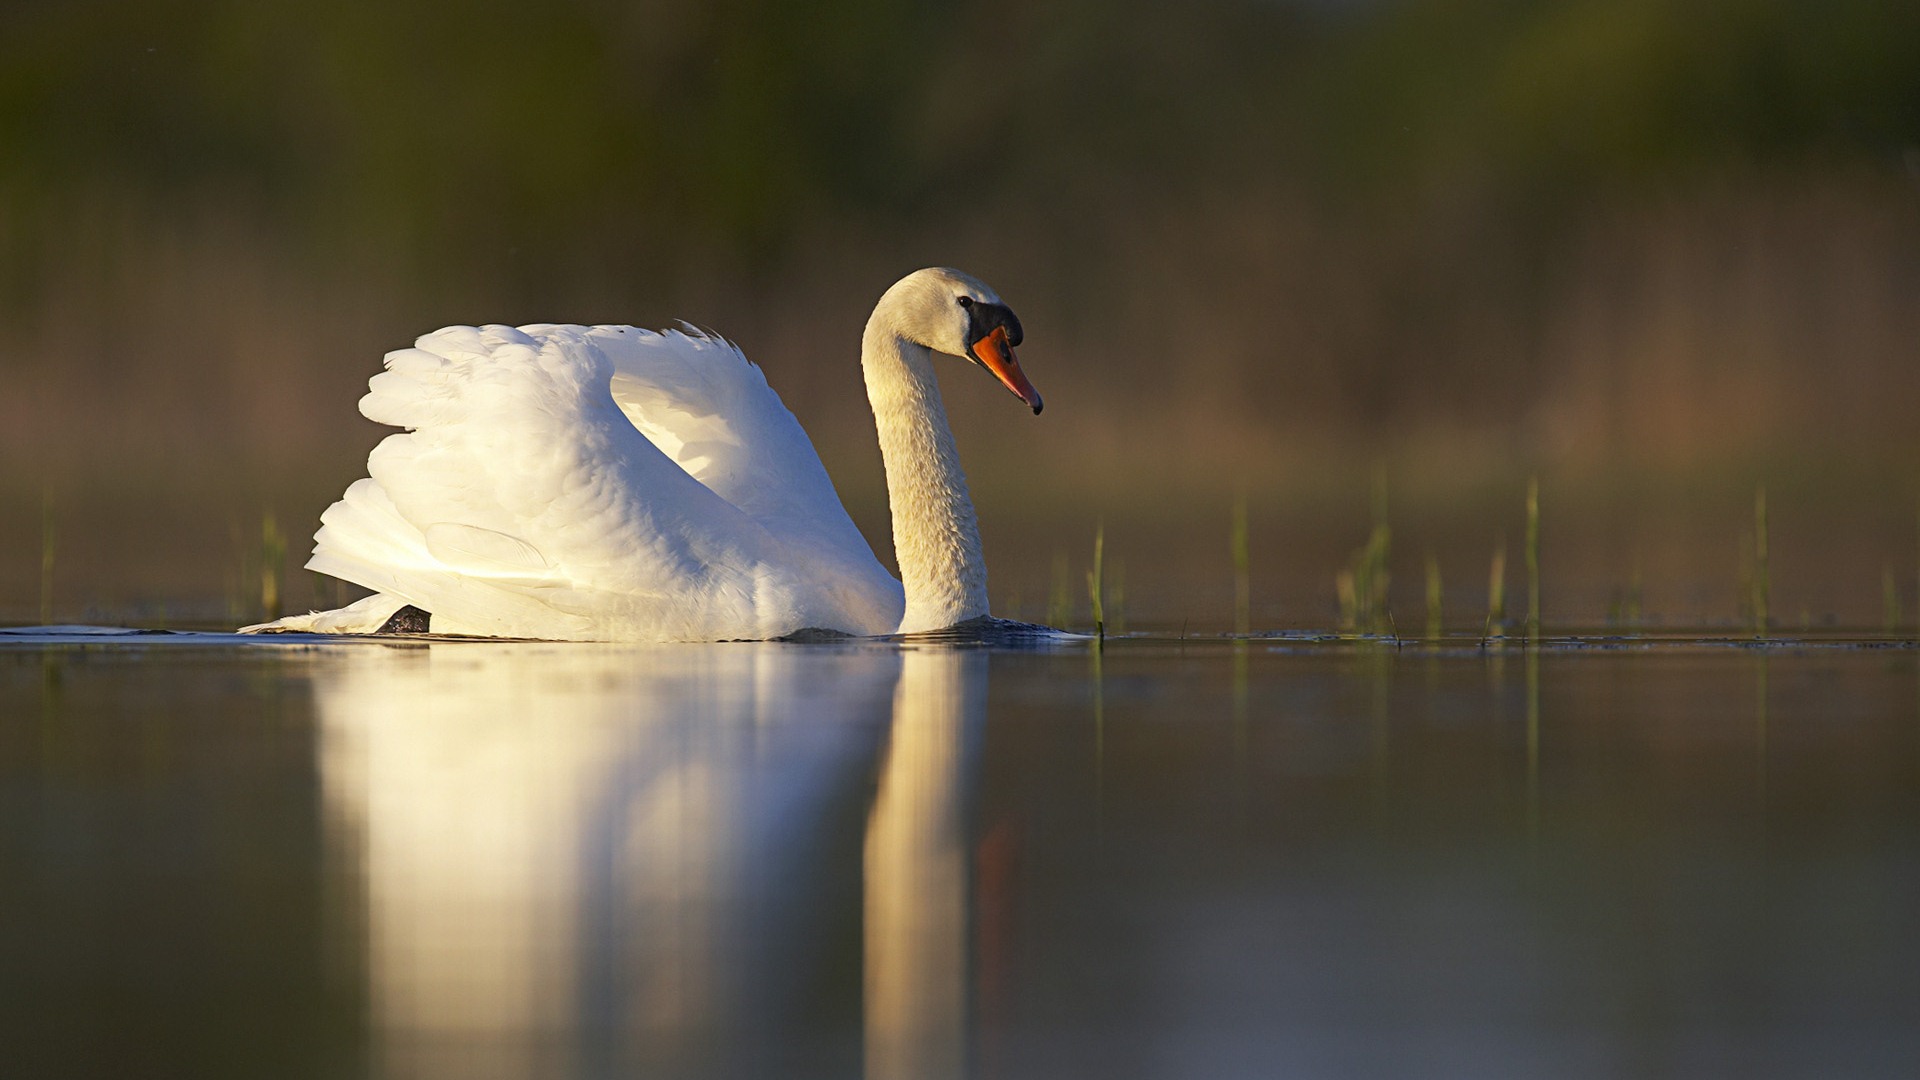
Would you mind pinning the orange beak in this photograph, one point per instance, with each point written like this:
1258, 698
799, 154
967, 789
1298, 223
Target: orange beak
996, 355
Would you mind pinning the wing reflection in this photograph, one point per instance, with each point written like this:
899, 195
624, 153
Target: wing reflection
657, 860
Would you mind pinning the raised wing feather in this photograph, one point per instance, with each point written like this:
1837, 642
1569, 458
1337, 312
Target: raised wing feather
706, 406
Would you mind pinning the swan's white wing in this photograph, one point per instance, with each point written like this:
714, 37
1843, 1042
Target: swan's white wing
706, 406
524, 502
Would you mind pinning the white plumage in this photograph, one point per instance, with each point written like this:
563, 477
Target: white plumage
605, 482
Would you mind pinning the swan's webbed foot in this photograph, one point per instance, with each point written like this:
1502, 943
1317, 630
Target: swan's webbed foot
816, 635
997, 633
408, 620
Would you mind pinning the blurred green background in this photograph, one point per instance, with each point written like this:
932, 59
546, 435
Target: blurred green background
1659, 254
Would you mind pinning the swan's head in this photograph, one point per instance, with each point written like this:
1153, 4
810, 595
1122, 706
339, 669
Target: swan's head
958, 314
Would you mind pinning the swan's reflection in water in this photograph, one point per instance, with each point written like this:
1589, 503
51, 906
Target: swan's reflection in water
669, 861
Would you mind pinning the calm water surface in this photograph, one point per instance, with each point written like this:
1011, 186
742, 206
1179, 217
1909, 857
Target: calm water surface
462, 859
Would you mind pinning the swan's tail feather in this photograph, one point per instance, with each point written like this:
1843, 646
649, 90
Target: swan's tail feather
364, 539
364, 616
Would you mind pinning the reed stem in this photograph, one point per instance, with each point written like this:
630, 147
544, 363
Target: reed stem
1242, 578
1096, 582
1762, 580
1497, 591
1362, 587
1533, 559
1633, 612
1434, 620
46, 558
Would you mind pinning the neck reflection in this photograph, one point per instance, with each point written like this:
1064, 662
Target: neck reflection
917, 870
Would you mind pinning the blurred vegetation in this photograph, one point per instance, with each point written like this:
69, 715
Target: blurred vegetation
437, 132
1258, 244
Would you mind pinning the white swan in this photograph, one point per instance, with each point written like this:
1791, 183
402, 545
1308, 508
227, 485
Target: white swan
608, 483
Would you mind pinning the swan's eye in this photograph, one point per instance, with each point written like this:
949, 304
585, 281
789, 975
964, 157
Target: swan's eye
966, 301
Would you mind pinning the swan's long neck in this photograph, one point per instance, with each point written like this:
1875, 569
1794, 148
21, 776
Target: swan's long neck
935, 537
